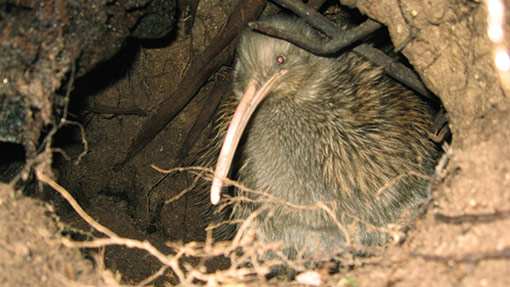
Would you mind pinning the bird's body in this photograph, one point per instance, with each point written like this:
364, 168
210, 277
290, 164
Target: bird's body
333, 141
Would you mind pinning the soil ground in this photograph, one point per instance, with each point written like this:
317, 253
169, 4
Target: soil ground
462, 239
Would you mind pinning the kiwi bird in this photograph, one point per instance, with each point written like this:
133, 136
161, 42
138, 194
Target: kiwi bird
310, 129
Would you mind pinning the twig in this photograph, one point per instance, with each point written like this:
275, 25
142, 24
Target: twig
265, 197
472, 218
329, 47
310, 15
395, 69
440, 131
316, 4
221, 86
441, 165
396, 179
332, 214
189, 9
408, 39
62, 121
153, 277
503, 254
112, 237
48, 138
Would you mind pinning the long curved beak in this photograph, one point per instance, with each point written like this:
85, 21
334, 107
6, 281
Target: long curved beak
248, 104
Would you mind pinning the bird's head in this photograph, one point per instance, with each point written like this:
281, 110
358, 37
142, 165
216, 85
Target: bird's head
260, 57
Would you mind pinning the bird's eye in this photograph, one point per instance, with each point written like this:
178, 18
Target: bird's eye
280, 59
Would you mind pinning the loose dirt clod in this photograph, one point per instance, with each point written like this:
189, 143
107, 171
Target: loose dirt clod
447, 44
